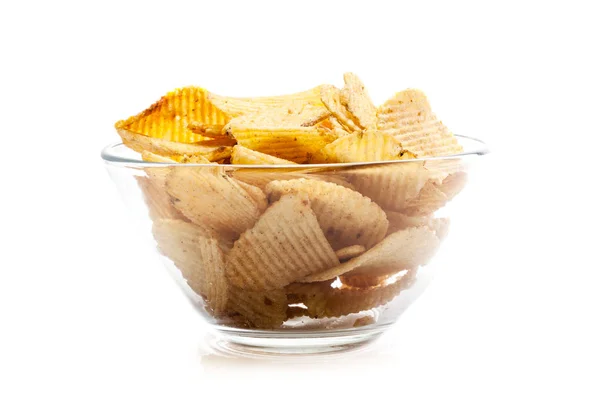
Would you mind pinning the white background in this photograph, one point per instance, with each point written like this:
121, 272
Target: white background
88, 312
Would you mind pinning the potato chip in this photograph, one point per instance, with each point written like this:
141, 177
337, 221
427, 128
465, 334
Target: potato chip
263, 310
453, 184
330, 96
162, 147
349, 252
345, 216
198, 256
401, 250
243, 155
391, 186
213, 200
408, 117
207, 130
364, 280
255, 194
262, 177
284, 245
429, 200
321, 300
236, 106
169, 117
356, 99
295, 144
399, 221
363, 147
157, 199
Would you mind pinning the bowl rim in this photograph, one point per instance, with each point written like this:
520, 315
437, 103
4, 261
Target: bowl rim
111, 158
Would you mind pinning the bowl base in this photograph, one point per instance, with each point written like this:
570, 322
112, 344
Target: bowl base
241, 342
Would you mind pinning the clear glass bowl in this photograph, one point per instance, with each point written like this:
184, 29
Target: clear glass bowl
306, 258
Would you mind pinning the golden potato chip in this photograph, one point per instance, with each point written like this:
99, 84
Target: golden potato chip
263, 310
162, 147
213, 200
321, 300
362, 147
330, 96
349, 252
236, 106
198, 256
169, 117
356, 99
345, 216
284, 245
364, 321
401, 250
364, 279
183, 159
408, 117
243, 155
207, 130
391, 186
295, 144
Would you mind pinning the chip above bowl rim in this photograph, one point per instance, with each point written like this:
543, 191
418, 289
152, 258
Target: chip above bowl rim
476, 148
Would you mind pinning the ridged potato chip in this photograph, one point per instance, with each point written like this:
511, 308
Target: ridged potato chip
330, 96
214, 200
390, 186
356, 99
284, 245
362, 147
321, 300
198, 256
345, 216
349, 252
263, 310
169, 117
243, 155
157, 199
408, 117
295, 144
237, 106
141, 143
401, 250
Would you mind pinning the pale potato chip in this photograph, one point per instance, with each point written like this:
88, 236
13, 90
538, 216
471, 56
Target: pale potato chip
429, 200
236, 106
399, 221
213, 200
330, 96
169, 117
364, 321
262, 177
345, 216
363, 147
162, 147
408, 117
263, 310
295, 144
256, 194
322, 300
349, 252
356, 99
243, 155
391, 186
284, 245
157, 199
453, 184
401, 250
198, 256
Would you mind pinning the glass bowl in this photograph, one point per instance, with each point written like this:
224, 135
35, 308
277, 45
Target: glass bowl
302, 258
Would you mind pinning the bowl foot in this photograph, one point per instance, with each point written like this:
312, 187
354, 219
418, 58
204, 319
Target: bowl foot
241, 342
